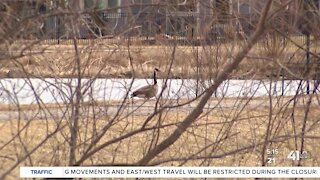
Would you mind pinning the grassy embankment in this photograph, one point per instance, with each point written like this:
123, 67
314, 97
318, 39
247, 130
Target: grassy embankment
234, 137
101, 59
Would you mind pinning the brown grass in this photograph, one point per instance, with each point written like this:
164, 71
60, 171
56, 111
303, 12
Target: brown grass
246, 128
58, 60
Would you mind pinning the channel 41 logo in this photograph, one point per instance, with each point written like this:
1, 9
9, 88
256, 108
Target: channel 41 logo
297, 155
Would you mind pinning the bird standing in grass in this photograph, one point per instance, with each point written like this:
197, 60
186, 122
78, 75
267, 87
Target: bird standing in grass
148, 91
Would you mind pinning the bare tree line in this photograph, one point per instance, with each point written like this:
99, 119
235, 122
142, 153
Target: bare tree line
201, 130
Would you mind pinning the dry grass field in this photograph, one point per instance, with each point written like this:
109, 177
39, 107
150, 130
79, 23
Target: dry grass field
219, 137
231, 132
102, 59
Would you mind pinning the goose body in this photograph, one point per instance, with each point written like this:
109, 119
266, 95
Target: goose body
148, 91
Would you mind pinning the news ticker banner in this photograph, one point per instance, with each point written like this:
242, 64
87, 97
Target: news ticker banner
169, 172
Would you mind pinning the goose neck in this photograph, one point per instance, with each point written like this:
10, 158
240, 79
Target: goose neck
154, 77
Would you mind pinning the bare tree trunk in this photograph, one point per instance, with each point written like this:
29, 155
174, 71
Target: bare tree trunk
304, 127
75, 104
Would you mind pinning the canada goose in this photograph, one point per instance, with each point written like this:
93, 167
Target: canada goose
148, 91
